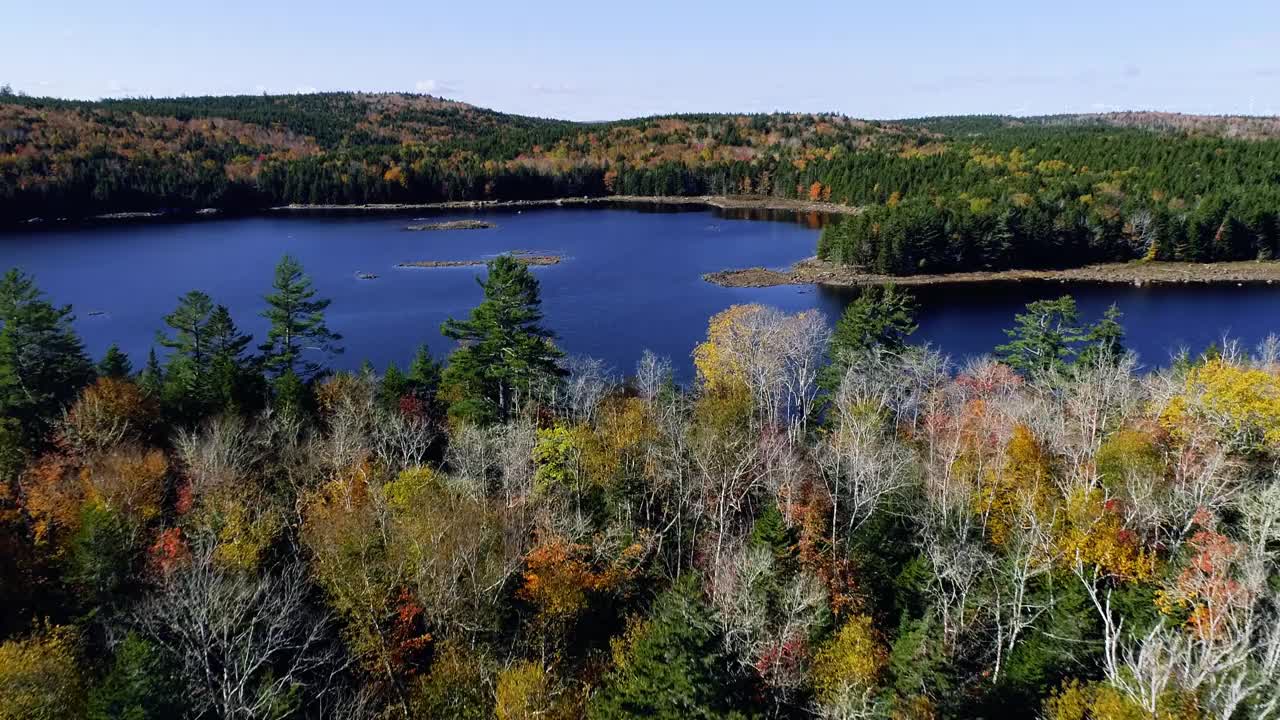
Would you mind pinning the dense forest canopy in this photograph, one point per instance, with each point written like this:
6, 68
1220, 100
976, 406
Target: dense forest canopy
65, 158
834, 524
940, 194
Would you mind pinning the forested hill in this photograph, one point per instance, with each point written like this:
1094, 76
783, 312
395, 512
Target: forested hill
940, 194
66, 158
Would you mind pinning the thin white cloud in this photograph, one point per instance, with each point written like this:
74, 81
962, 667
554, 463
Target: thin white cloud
555, 89
115, 87
435, 87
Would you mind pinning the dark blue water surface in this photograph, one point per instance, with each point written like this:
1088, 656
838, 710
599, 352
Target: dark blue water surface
630, 280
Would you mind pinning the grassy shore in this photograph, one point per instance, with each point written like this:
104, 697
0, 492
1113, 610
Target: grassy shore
818, 272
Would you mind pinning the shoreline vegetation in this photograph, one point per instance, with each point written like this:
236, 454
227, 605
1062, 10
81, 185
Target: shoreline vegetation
813, 271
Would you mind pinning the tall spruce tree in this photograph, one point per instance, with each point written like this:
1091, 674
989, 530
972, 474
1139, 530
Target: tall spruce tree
234, 382
42, 361
186, 393
882, 316
151, 379
297, 324
115, 364
504, 350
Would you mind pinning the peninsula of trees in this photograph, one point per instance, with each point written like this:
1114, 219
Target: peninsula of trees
824, 524
938, 194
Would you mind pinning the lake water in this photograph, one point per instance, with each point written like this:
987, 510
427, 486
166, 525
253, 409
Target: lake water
630, 280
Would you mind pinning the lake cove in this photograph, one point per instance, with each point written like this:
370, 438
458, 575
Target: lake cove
628, 279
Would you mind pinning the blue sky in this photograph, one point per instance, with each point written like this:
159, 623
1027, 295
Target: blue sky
601, 60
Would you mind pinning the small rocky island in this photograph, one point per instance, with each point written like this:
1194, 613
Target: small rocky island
526, 258
455, 225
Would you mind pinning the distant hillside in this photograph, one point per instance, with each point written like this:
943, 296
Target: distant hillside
1221, 126
938, 194
63, 158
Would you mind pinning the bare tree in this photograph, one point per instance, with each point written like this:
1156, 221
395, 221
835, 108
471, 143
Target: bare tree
224, 450
402, 441
515, 442
653, 373
862, 465
244, 643
472, 455
1027, 556
589, 382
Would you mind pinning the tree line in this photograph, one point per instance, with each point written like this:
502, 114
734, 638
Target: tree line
1060, 196
828, 522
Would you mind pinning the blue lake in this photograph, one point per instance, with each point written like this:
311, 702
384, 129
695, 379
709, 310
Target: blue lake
630, 280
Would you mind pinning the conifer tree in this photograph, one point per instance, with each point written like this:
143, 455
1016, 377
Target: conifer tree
504, 350
424, 374
233, 380
676, 668
1105, 340
882, 316
186, 393
1044, 337
115, 364
151, 379
188, 322
297, 324
42, 362
392, 386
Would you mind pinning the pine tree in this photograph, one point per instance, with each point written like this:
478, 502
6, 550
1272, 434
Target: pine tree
1044, 338
290, 396
1105, 340
233, 382
504, 350
393, 385
297, 324
676, 668
42, 362
188, 323
115, 364
151, 379
424, 375
882, 316
186, 394
142, 684
770, 531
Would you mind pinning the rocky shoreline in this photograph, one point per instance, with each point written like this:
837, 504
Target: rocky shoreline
723, 202
813, 271
534, 260
454, 225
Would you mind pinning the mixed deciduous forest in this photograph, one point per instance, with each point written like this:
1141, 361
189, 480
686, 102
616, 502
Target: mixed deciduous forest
940, 194
826, 523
